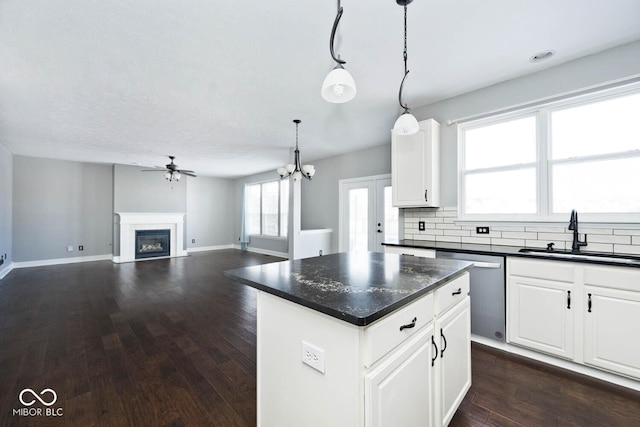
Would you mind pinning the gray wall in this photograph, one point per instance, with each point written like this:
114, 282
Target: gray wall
58, 204
613, 64
6, 204
320, 195
209, 207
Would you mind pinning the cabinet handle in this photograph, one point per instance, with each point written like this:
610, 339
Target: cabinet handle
409, 325
458, 292
433, 342
444, 346
589, 304
569, 300
426, 199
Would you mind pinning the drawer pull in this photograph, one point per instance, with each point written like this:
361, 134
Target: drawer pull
433, 342
409, 325
458, 292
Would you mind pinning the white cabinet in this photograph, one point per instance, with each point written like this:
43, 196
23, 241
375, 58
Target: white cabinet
415, 167
398, 371
540, 315
399, 391
453, 375
611, 312
586, 313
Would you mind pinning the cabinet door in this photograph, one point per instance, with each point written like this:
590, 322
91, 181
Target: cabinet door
398, 392
612, 330
415, 167
454, 372
541, 315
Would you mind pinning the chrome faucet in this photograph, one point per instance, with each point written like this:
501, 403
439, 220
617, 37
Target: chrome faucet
573, 225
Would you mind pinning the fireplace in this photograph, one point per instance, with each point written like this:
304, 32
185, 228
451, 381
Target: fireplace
152, 243
132, 222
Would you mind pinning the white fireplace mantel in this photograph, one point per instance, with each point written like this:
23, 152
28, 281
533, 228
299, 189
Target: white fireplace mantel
130, 222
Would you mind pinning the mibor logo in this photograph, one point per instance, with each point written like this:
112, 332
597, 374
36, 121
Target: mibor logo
36, 396
46, 397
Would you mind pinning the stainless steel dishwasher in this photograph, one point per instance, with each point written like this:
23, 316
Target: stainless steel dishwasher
487, 293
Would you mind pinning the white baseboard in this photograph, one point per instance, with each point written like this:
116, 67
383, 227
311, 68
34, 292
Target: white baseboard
560, 363
265, 252
6, 270
73, 260
210, 248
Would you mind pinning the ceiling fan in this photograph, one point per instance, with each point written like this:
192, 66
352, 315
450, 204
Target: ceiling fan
172, 173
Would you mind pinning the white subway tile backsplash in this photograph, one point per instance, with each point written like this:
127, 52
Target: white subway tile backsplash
519, 235
508, 242
596, 247
440, 226
598, 238
453, 239
477, 240
555, 236
626, 249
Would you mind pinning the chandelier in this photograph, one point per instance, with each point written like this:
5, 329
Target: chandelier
296, 170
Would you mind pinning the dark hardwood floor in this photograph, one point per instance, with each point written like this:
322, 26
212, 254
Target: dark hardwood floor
172, 343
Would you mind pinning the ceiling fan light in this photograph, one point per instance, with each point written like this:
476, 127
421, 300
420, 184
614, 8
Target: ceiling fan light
406, 124
338, 87
167, 176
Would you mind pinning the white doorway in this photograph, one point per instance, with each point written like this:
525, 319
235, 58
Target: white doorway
367, 217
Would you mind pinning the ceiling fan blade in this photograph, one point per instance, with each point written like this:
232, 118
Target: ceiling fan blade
153, 170
188, 173
185, 170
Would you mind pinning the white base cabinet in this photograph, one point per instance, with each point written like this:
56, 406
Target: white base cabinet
378, 375
585, 313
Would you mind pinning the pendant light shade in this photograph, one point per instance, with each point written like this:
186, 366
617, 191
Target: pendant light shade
406, 124
338, 87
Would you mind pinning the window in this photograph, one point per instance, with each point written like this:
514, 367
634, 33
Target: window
539, 163
267, 208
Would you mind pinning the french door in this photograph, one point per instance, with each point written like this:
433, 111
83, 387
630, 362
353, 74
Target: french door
367, 217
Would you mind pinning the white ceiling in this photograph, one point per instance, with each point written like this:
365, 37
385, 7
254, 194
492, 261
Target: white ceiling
218, 83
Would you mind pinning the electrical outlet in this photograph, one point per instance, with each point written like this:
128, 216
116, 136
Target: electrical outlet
482, 230
81, 248
320, 252
420, 225
193, 240
69, 248
312, 356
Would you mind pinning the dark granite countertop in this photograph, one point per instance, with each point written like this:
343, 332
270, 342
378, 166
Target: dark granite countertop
626, 260
358, 288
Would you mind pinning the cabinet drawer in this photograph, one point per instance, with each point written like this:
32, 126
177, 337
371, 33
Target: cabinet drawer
402, 250
384, 335
451, 293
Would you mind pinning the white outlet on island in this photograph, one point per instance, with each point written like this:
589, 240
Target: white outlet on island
312, 356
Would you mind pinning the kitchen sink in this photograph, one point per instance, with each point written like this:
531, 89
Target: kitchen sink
585, 256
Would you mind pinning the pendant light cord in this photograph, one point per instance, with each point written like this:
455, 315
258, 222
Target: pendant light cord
406, 108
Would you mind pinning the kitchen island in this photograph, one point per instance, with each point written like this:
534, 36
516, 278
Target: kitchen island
356, 339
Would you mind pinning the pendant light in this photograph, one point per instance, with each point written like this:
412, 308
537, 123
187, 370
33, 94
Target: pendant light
338, 87
296, 170
406, 123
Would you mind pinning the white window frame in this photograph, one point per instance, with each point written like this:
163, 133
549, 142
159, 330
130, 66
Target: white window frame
543, 162
280, 236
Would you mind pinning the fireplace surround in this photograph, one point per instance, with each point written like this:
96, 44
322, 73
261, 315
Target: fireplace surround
130, 222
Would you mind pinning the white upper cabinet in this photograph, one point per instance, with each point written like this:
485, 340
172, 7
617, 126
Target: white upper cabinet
415, 167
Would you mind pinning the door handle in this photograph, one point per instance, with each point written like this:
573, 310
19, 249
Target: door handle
444, 346
435, 346
426, 199
379, 231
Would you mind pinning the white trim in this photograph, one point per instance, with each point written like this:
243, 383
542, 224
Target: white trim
560, 363
6, 270
264, 252
58, 261
210, 248
132, 221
